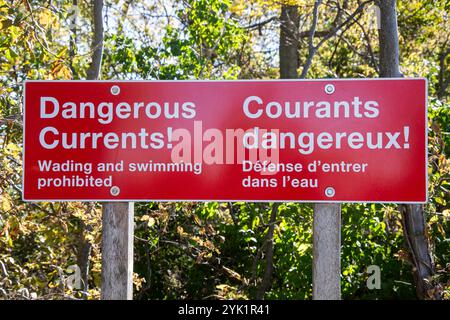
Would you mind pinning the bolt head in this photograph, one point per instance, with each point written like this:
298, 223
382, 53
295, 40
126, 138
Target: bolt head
330, 192
115, 190
329, 89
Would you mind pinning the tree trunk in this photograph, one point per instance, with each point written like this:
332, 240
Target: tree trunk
444, 82
84, 250
93, 73
73, 38
388, 37
414, 230
414, 227
289, 63
266, 281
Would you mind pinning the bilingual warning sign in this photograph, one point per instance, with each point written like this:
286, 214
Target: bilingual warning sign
306, 141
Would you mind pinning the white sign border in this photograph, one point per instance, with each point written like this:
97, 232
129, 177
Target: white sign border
228, 200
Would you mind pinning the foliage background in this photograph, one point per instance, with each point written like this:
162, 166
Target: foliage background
210, 250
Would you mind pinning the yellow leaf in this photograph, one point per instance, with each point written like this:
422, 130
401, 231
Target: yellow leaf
222, 287
62, 52
232, 273
180, 231
446, 213
45, 17
13, 148
197, 220
64, 73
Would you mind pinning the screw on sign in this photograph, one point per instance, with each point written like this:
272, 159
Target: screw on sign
329, 89
115, 90
115, 191
330, 192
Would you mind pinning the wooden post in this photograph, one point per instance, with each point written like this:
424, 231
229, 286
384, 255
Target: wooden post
117, 251
327, 252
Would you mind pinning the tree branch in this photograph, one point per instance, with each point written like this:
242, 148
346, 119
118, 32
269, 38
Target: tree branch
259, 25
312, 32
266, 282
348, 22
